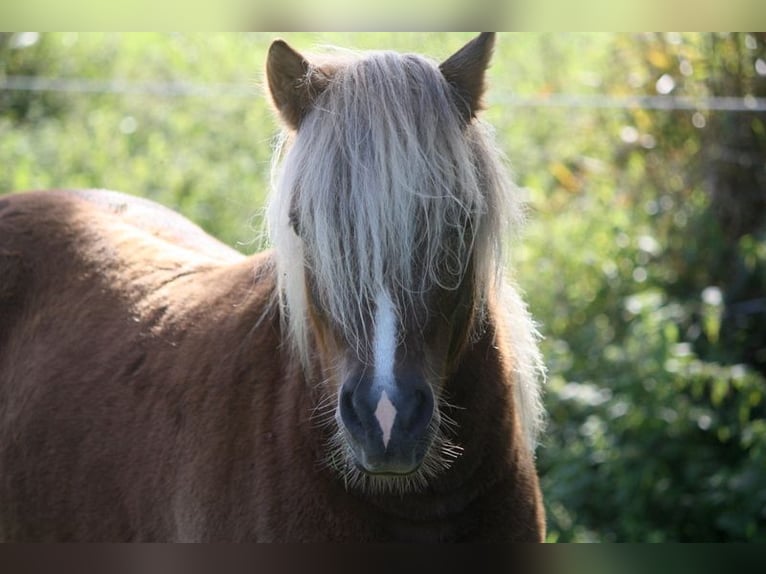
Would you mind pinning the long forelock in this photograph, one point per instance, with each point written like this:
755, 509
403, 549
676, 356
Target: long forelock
391, 192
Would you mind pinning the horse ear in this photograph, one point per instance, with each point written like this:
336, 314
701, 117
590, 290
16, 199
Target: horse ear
464, 71
294, 84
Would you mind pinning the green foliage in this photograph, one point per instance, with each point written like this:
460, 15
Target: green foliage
27, 55
644, 259
651, 292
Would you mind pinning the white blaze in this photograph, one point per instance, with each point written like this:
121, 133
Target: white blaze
384, 347
385, 339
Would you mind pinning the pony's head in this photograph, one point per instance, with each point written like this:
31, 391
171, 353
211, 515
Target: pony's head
389, 205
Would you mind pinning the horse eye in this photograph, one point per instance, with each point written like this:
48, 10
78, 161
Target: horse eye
295, 222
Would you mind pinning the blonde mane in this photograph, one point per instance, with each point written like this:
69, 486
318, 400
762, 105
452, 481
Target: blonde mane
385, 188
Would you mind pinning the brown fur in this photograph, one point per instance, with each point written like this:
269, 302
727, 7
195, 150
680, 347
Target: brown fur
145, 394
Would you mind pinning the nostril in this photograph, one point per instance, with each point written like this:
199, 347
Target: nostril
422, 410
348, 413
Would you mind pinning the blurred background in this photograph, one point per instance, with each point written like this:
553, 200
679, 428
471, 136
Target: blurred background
643, 161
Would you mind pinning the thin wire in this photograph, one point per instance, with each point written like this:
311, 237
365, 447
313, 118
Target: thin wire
600, 101
120, 87
185, 89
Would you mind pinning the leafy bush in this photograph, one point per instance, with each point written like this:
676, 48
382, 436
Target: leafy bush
654, 310
26, 55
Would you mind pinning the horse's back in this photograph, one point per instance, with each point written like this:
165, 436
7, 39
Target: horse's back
117, 326
51, 240
37, 208
158, 220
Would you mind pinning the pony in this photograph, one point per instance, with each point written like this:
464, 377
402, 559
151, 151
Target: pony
372, 376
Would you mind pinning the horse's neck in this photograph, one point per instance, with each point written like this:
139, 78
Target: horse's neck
481, 389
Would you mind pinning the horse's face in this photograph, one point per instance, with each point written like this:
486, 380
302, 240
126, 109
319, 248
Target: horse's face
386, 272
390, 401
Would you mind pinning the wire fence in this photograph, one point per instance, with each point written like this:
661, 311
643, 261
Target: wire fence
187, 89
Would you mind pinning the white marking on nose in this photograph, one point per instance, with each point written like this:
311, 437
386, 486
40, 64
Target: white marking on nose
384, 347
385, 339
385, 413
